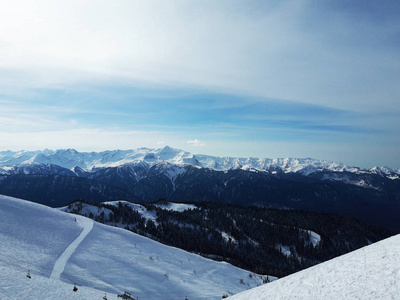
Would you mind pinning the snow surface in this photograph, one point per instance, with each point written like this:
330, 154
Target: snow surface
180, 207
228, 237
33, 236
175, 160
14, 285
372, 272
98, 259
315, 238
147, 214
285, 249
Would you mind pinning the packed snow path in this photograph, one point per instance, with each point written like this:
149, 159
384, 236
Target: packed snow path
59, 266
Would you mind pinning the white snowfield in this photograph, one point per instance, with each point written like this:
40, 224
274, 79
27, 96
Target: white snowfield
180, 207
62, 249
33, 237
372, 272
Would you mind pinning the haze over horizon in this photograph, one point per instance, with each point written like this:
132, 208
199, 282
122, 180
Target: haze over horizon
263, 79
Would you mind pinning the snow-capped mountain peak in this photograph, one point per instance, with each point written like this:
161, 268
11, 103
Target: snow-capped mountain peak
89, 161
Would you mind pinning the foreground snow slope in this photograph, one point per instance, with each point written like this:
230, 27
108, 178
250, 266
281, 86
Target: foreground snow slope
14, 285
372, 272
33, 237
62, 249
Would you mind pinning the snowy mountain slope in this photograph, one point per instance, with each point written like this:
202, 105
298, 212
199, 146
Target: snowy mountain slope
144, 268
264, 241
61, 262
372, 272
88, 161
85, 209
34, 236
51, 243
14, 285
36, 168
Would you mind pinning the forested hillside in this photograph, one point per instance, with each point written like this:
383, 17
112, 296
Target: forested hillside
265, 241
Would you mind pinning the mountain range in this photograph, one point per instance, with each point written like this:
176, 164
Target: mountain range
56, 178
91, 161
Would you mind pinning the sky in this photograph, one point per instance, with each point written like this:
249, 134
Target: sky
264, 79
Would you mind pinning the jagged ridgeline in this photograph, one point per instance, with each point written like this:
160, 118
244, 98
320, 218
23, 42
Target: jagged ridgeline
56, 178
264, 241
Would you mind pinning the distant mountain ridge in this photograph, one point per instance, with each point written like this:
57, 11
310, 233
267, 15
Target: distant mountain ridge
90, 161
56, 178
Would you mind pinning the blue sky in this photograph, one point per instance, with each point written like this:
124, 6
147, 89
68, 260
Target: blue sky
240, 78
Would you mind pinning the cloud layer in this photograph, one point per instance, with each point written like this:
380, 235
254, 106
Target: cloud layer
293, 50
314, 73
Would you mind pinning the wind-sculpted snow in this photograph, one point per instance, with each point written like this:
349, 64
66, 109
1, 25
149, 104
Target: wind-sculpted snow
372, 272
90, 161
52, 245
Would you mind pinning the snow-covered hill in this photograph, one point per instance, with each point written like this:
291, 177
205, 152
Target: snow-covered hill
372, 272
90, 161
61, 250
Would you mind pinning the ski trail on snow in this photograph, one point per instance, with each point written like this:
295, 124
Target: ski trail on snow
59, 266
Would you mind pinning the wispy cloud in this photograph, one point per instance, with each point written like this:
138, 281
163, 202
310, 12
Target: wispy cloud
196, 143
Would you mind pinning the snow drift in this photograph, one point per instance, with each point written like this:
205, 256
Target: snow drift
372, 272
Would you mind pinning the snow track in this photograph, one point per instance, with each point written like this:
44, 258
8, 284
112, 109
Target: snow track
59, 266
